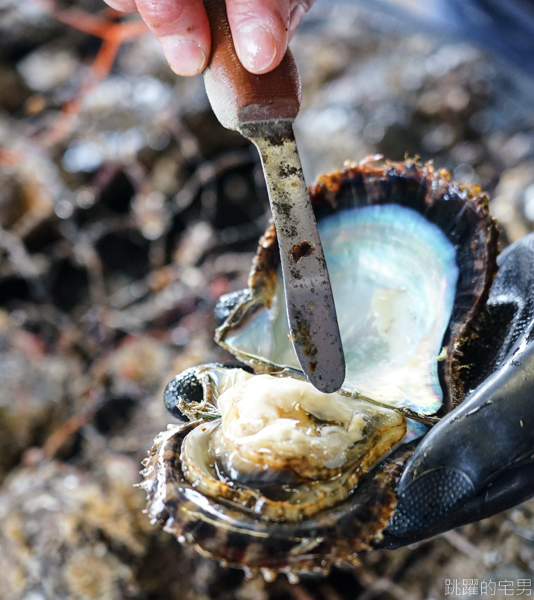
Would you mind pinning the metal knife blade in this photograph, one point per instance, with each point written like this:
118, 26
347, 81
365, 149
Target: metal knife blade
262, 108
310, 304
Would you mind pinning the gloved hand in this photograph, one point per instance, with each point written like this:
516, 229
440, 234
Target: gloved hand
478, 460
261, 30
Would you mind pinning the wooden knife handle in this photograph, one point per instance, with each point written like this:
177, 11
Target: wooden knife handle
237, 96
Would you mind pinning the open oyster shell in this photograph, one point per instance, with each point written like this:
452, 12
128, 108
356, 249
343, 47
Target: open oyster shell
224, 531
426, 261
269, 473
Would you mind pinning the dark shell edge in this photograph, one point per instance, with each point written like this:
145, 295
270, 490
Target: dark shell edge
226, 533
221, 531
461, 211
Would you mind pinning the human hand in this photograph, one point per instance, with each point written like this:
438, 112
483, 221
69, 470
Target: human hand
478, 460
261, 30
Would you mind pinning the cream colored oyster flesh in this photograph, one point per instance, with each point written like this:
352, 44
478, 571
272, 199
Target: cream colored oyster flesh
284, 449
273, 420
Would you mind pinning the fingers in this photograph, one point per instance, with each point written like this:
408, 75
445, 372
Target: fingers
491, 431
122, 5
508, 489
260, 32
182, 29
298, 10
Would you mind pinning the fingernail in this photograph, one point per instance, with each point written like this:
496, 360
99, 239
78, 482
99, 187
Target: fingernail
184, 56
295, 18
256, 47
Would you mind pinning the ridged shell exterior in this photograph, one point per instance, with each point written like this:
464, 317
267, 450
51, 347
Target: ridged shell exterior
220, 531
224, 532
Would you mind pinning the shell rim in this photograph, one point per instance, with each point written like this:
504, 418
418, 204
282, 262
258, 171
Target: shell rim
184, 512
438, 186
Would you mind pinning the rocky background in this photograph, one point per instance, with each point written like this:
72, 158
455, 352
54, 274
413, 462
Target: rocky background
126, 210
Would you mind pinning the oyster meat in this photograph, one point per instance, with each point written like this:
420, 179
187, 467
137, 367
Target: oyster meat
267, 473
284, 450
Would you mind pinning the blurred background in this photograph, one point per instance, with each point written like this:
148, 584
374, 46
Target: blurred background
126, 211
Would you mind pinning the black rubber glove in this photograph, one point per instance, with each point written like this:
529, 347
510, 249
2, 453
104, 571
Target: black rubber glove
478, 460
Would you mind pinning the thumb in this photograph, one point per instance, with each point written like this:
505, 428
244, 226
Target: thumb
260, 32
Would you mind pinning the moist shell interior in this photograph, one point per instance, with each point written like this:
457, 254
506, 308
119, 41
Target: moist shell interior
225, 532
428, 246
282, 449
230, 529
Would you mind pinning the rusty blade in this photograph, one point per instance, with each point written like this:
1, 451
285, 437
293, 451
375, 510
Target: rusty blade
310, 304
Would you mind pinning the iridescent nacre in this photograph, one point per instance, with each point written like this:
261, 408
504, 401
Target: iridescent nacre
270, 474
393, 330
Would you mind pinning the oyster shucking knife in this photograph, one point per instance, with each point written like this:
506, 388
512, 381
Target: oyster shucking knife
262, 108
